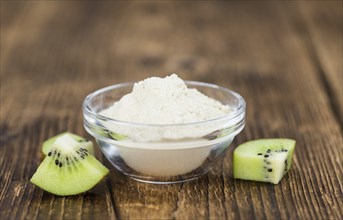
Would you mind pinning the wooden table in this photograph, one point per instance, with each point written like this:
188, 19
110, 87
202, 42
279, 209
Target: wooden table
285, 58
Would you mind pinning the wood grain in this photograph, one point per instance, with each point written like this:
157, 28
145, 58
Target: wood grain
323, 23
285, 58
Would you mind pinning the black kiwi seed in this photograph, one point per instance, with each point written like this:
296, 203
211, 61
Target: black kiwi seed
60, 164
83, 140
266, 155
259, 154
268, 163
86, 154
270, 170
56, 162
78, 152
49, 154
58, 155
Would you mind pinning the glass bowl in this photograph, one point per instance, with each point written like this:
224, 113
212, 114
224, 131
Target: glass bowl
163, 153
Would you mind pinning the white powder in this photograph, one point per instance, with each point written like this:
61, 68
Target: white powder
164, 101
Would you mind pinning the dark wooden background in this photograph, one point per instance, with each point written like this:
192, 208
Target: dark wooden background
285, 58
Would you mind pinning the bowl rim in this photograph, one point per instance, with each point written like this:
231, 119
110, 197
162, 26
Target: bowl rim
231, 115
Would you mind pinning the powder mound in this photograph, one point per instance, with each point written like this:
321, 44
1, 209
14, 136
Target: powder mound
165, 101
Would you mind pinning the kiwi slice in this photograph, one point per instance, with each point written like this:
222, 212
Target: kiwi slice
68, 169
116, 136
265, 160
88, 145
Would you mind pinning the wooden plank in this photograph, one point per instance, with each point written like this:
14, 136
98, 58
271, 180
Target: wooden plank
262, 72
43, 110
324, 24
256, 49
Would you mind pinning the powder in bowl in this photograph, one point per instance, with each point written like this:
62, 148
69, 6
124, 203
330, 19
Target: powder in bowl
165, 101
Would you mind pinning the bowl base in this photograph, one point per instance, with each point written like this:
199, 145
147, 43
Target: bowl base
168, 180
164, 182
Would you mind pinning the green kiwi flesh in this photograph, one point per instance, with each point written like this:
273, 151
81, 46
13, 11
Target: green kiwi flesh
68, 168
84, 142
116, 136
265, 160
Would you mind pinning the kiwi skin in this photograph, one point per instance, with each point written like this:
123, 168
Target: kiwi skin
265, 160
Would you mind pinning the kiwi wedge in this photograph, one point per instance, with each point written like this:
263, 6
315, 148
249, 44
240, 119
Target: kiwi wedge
68, 168
88, 145
265, 160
